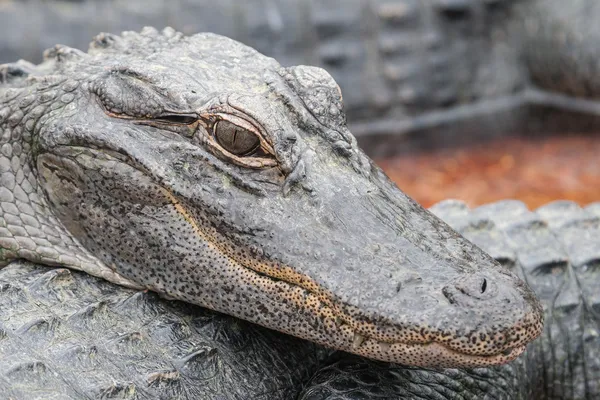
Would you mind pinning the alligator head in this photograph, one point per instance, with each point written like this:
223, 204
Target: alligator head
203, 170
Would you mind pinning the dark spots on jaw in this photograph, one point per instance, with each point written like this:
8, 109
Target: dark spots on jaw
228, 289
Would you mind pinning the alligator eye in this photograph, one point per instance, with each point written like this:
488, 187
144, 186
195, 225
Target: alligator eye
235, 139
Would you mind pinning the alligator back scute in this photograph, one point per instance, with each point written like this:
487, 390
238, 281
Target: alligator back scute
593, 265
537, 250
578, 230
83, 337
29, 376
553, 246
478, 228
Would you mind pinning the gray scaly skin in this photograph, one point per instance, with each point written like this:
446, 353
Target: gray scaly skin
69, 335
199, 169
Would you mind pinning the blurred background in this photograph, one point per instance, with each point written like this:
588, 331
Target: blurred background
450, 97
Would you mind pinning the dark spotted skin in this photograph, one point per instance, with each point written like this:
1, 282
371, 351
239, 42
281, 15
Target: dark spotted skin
116, 164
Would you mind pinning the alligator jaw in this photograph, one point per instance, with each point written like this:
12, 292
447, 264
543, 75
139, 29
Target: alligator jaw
330, 329
435, 355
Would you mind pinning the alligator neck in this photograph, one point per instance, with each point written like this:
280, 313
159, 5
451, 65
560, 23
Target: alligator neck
28, 228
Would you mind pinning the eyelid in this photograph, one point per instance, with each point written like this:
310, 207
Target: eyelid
171, 118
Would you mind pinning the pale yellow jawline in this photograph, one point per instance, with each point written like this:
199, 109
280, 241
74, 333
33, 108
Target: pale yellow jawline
313, 302
190, 220
184, 213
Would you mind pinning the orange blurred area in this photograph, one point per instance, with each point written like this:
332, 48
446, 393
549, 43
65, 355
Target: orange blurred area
535, 170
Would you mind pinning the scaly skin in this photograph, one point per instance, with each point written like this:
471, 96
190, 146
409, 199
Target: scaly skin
198, 168
68, 335
65, 334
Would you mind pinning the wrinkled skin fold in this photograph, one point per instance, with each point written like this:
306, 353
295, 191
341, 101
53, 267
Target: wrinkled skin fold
197, 168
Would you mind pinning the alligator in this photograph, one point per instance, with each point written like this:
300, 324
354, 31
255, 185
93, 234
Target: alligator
200, 169
68, 183
434, 69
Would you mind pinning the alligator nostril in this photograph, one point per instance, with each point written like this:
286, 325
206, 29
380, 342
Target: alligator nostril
471, 286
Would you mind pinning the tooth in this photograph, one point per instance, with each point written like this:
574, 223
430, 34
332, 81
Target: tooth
385, 347
358, 340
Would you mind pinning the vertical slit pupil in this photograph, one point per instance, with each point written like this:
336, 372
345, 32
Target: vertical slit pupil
235, 139
483, 285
